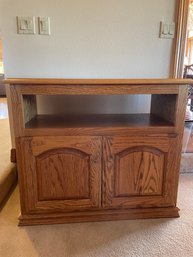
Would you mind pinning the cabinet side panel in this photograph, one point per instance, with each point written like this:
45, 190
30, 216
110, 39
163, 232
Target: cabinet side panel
29, 107
164, 106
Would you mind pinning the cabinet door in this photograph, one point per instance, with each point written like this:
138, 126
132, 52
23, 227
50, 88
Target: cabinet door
138, 172
59, 173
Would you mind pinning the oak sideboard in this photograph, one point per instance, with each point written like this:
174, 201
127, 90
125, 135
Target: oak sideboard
96, 167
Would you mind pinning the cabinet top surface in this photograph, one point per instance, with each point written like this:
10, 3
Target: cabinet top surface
52, 81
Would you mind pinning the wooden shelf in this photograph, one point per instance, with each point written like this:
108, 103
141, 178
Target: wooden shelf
97, 120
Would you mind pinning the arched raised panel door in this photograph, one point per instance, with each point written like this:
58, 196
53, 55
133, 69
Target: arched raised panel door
62, 173
138, 172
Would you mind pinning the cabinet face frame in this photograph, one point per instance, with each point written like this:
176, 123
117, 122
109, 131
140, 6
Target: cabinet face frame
30, 157
160, 148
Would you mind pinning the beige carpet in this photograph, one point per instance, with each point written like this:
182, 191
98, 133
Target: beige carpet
8, 173
135, 238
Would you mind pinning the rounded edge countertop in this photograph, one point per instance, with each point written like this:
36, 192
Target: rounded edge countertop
57, 81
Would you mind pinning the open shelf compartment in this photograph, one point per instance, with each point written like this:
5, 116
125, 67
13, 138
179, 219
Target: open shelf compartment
82, 111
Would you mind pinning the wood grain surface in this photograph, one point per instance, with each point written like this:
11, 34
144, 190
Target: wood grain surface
59, 173
98, 167
63, 173
97, 89
137, 172
164, 106
52, 81
97, 120
29, 107
101, 215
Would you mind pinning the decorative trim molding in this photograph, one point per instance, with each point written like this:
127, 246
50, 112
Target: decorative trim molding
100, 215
180, 41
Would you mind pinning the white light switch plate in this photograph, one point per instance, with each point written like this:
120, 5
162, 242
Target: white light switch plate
26, 25
44, 25
167, 30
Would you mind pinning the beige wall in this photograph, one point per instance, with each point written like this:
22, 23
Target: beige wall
89, 39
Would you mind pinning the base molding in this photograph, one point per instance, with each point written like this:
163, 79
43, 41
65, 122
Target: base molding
101, 215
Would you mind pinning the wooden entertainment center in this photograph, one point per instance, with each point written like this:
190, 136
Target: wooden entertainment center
94, 167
